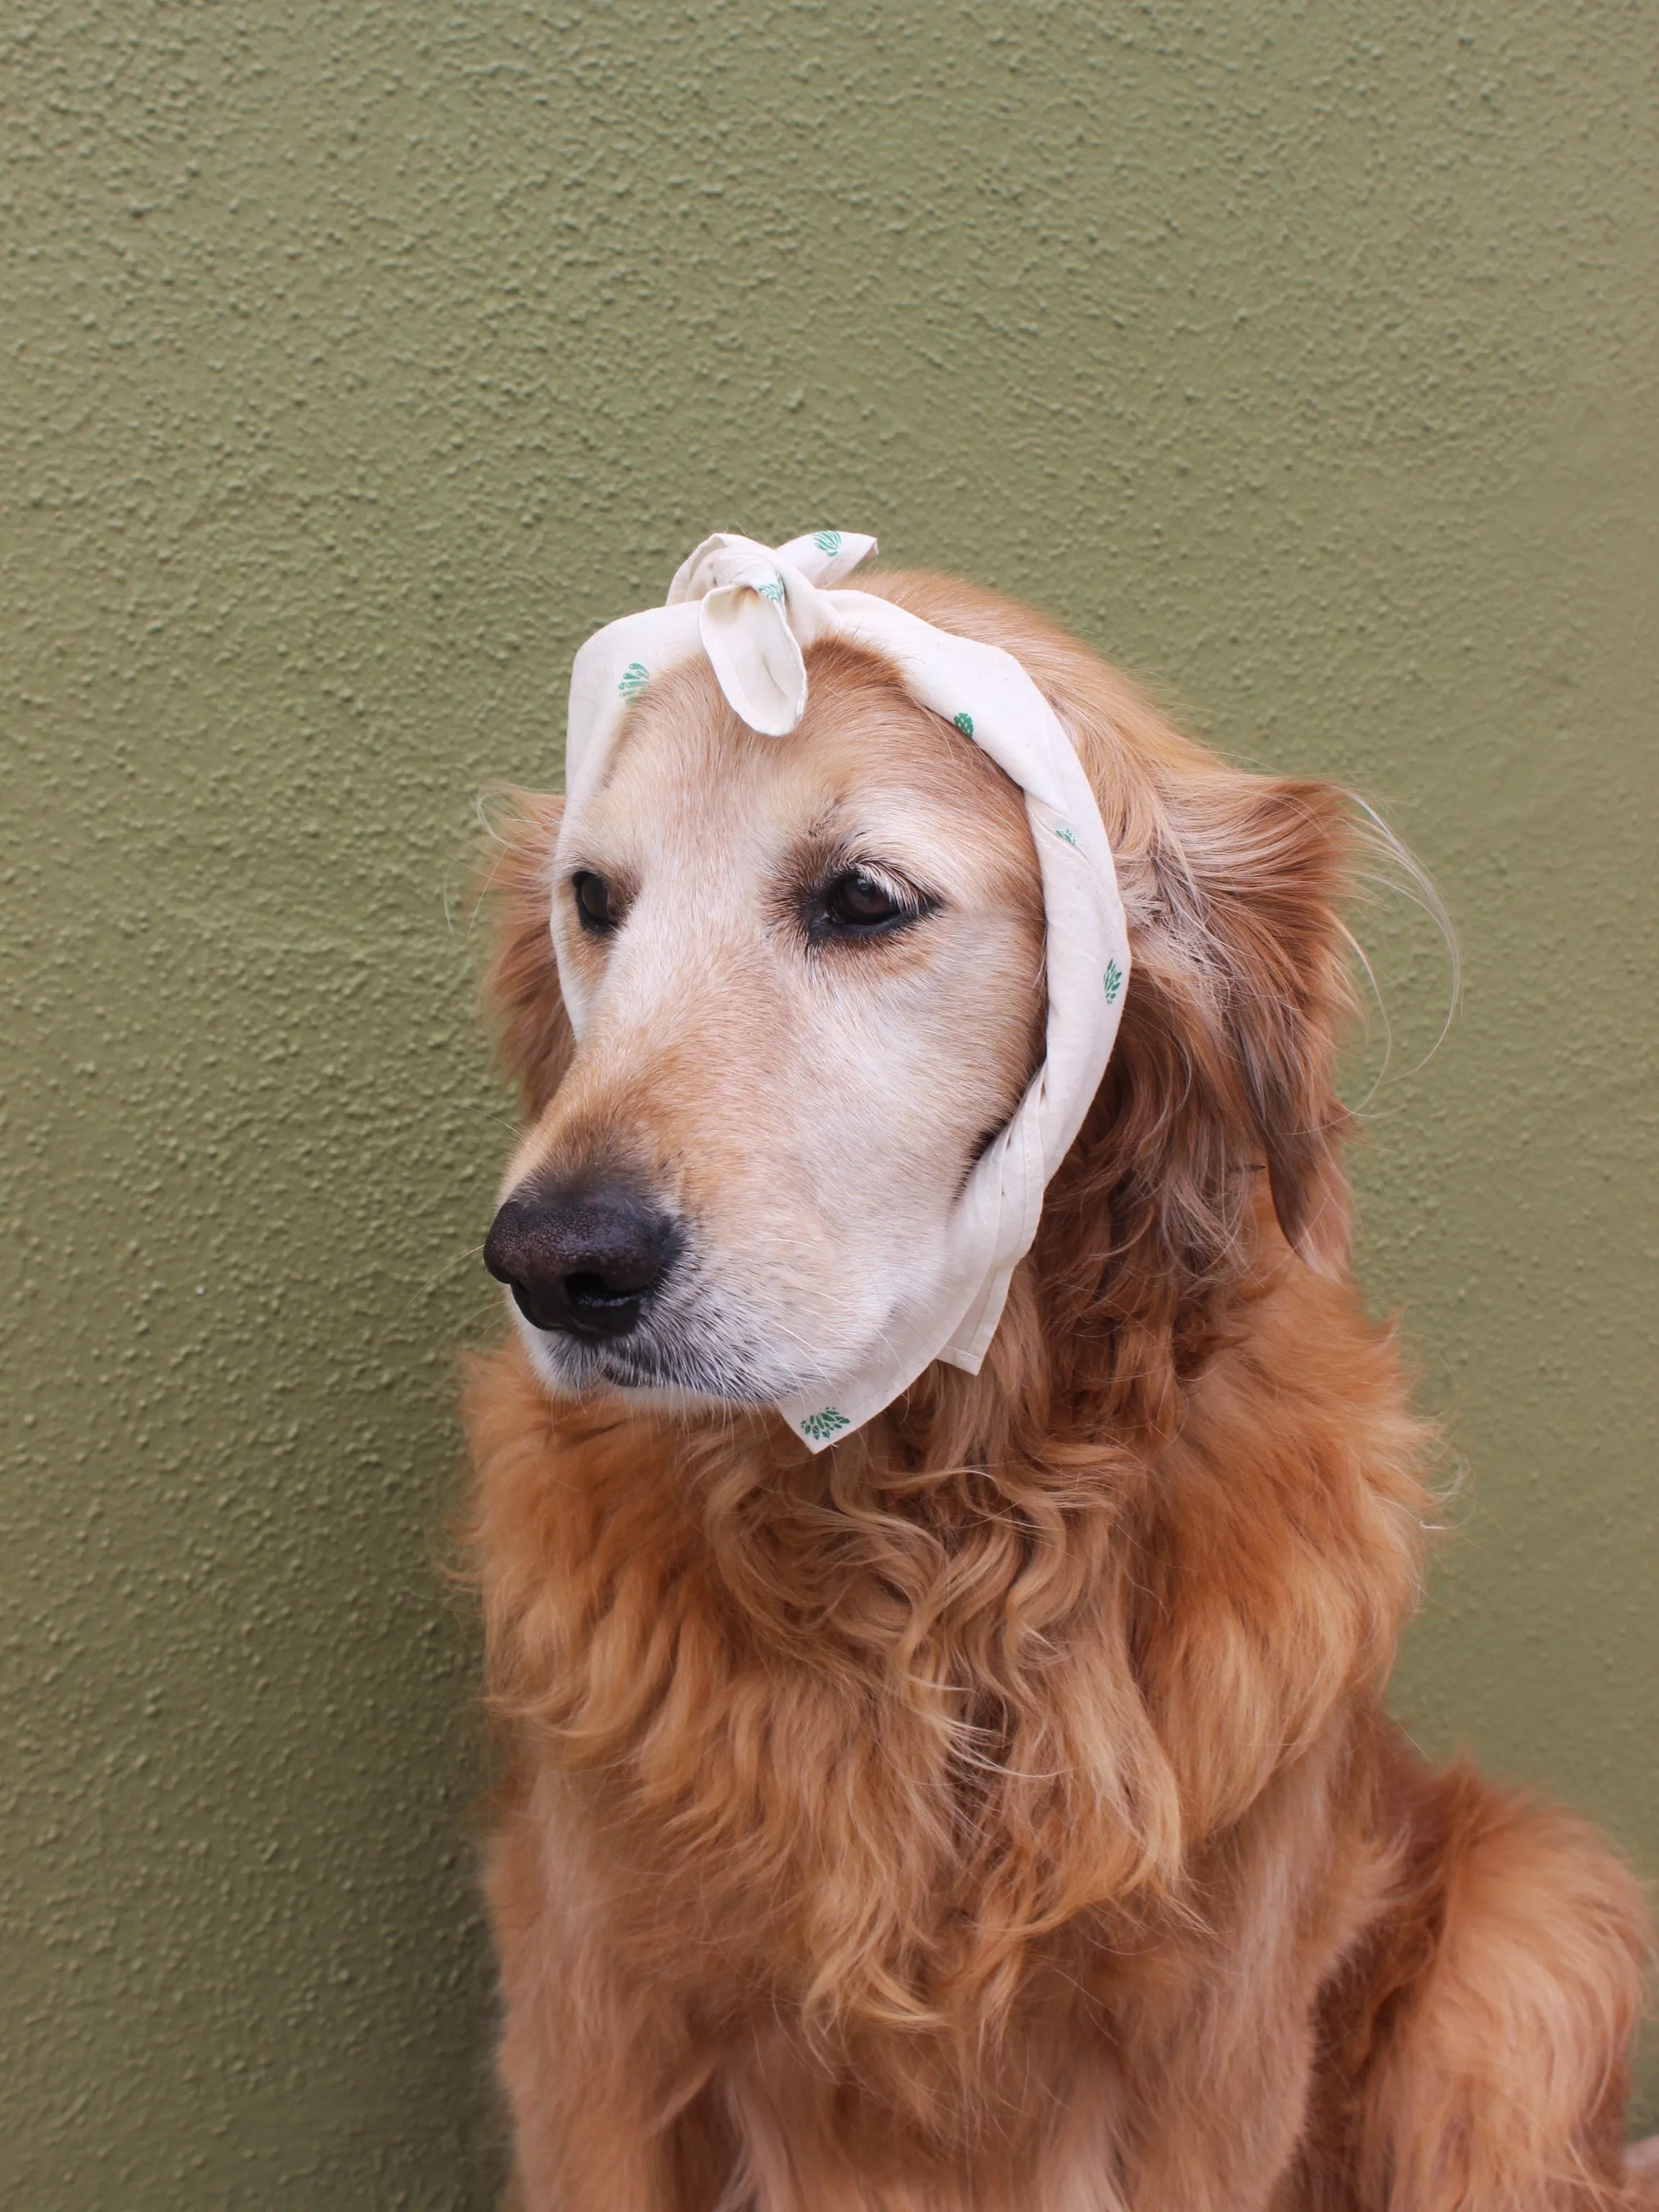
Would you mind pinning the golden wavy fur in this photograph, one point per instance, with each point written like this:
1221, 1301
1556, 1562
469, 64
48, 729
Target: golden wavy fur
999, 1810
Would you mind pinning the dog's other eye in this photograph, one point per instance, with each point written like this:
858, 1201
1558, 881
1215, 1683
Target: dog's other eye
594, 906
857, 902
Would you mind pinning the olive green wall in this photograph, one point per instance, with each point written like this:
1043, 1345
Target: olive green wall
358, 359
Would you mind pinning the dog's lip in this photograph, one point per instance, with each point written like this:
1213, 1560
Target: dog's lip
597, 1361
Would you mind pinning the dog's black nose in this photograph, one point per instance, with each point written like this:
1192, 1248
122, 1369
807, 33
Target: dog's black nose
585, 1259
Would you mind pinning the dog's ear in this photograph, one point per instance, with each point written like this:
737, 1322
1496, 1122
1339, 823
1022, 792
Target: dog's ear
1233, 887
1255, 880
521, 984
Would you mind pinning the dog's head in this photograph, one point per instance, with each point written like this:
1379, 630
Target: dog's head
812, 981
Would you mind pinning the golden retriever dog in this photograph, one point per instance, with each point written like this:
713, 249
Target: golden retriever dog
998, 1810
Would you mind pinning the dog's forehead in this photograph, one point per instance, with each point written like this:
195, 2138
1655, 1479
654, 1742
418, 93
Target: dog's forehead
866, 755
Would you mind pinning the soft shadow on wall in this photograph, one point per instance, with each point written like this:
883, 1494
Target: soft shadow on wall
358, 362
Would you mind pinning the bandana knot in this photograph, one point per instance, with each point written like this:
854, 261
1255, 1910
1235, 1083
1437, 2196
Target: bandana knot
758, 610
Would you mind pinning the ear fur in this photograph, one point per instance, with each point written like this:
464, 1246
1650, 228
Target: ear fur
1220, 1092
521, 990
1269, 862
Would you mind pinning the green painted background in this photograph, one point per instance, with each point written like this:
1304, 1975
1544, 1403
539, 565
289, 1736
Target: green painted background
357, 360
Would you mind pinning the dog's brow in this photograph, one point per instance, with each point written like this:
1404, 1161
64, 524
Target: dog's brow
825, 826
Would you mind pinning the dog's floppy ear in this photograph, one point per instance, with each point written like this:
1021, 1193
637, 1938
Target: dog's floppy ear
1262, 870
521, 984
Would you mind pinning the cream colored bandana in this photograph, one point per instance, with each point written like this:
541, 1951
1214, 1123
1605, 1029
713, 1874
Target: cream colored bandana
751, 611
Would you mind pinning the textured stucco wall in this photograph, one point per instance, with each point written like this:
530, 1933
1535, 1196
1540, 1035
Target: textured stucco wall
356, 360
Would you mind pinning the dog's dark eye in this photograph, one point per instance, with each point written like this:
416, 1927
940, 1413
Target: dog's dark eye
857, 901
861, 903
593, 909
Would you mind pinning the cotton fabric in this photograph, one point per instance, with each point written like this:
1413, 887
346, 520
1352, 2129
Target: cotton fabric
751, 611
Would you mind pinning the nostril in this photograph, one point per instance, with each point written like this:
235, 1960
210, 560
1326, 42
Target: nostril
585, 1258
541, 1312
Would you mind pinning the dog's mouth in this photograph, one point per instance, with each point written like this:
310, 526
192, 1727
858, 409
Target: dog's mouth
670, 1348
578, 1367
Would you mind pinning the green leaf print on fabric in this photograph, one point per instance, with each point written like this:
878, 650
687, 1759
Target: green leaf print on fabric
819, 1427
635, 677
1114, 980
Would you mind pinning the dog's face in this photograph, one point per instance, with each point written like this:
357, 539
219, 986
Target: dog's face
807, 977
